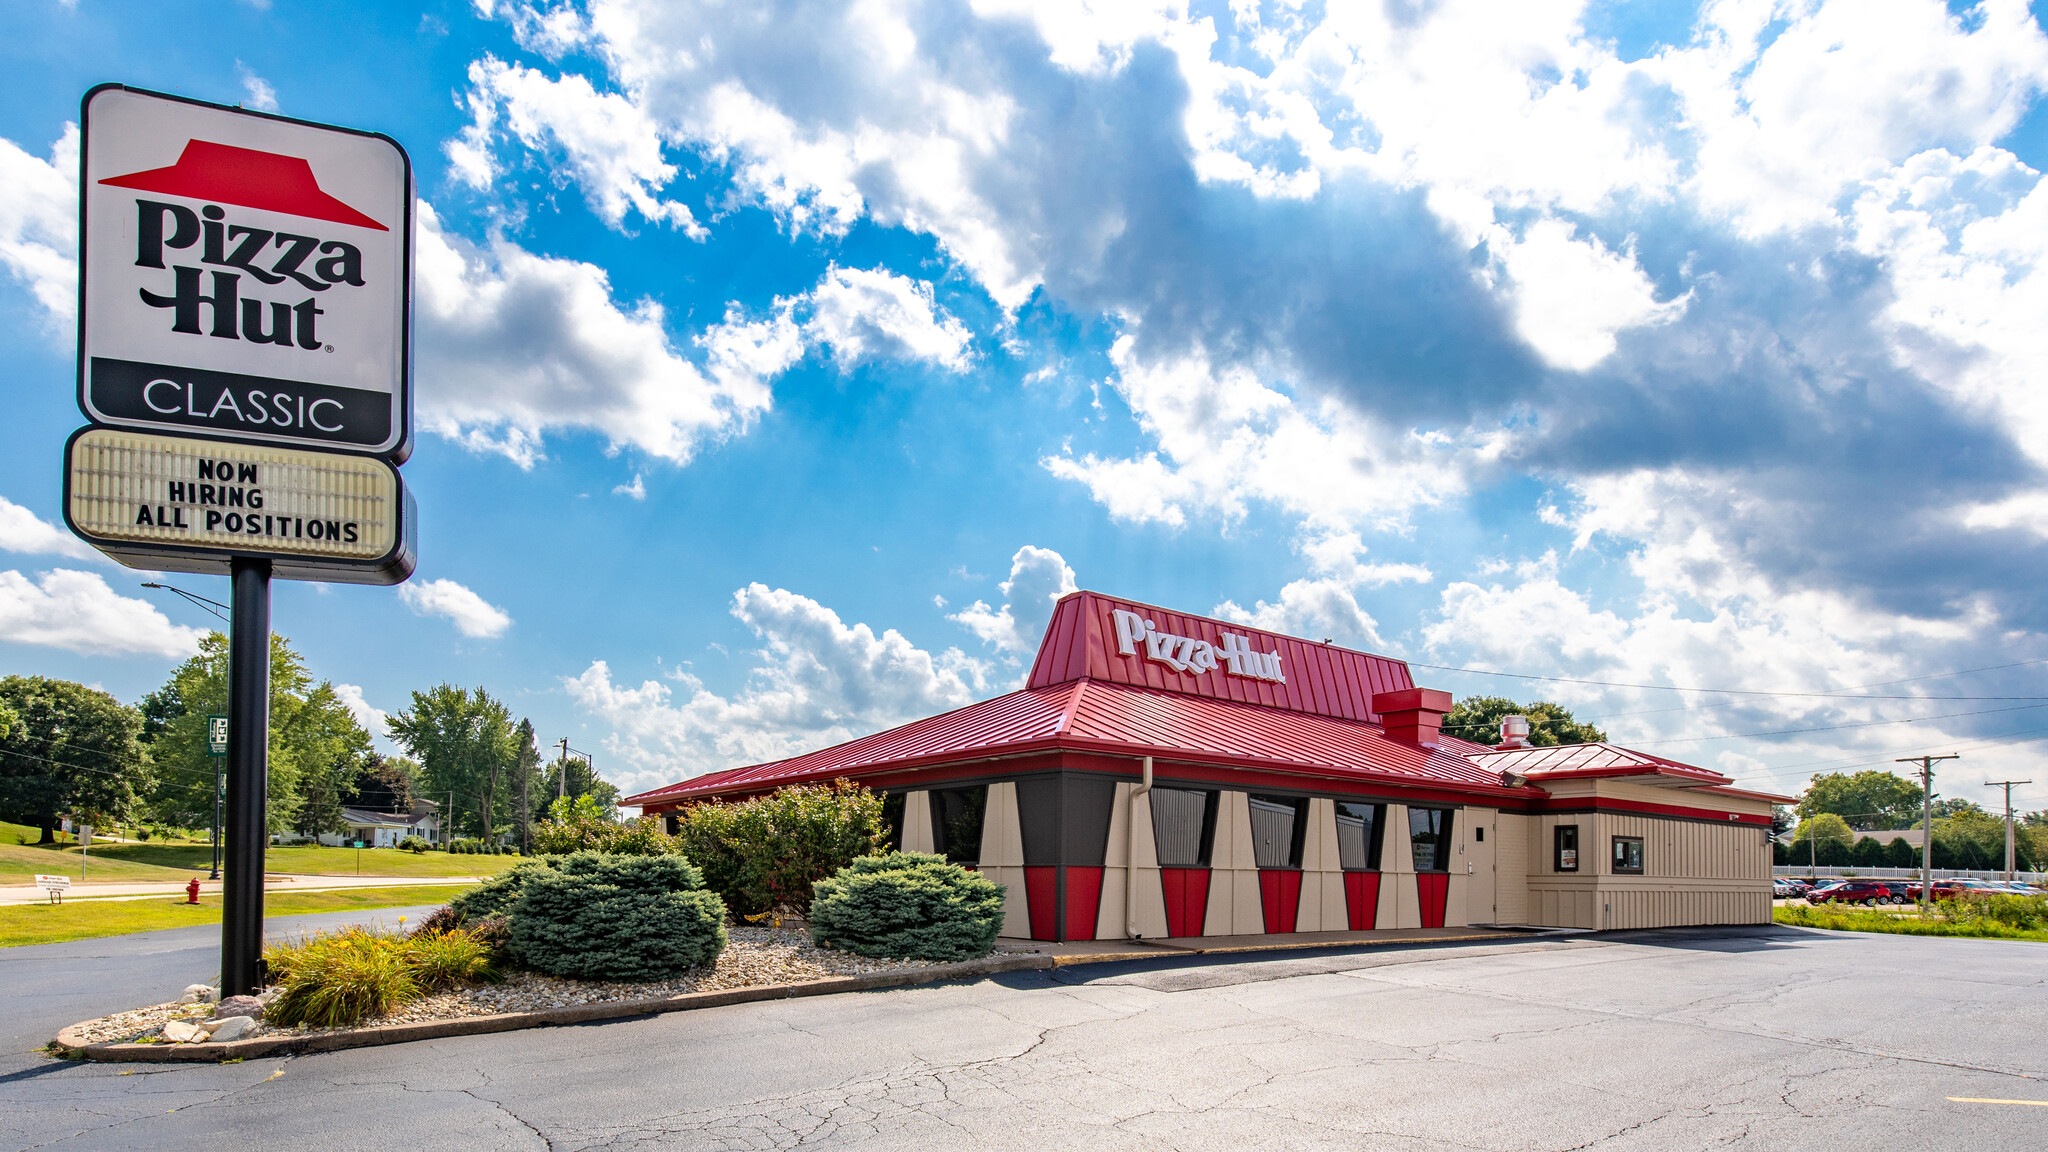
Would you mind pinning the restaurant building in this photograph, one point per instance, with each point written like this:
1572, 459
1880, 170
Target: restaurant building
1167, 775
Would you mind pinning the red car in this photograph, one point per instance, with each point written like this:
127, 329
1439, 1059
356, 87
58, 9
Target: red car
1952, 887
1867, 892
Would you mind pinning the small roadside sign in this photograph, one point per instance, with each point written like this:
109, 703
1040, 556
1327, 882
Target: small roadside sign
85, 835
216, 735
56, 886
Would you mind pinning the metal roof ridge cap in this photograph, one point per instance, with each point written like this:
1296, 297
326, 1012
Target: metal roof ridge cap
1286, 767
1073, 706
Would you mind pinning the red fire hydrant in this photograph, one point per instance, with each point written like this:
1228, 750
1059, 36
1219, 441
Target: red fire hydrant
192, 891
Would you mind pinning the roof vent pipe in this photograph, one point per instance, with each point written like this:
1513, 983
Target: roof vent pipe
1131, 854
1514, 732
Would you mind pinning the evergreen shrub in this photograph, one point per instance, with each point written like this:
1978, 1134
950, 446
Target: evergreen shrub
768, 852
496, 896
591, 916
909, 905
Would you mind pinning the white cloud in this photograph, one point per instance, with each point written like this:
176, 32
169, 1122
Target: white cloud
1038, 578
471, 614
1318, 609
22, 531
371, 718
613, 149
1571, 296
39, 221
636, 490
261, 96
865, 315
76, 611
515, 344
819, 681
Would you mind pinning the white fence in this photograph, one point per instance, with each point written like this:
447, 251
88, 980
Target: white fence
1802, 872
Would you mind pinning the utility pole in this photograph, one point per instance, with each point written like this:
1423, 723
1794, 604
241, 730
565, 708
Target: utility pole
2007, 785
562, 777
1926, 764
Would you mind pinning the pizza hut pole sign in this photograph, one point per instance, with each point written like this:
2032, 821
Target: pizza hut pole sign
243, 275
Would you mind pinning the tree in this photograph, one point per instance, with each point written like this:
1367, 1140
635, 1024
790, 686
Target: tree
315, 743
465, 745
582, 781
1868, 800
526, 769
69, 750
1477, 719
383, 784
1822, 839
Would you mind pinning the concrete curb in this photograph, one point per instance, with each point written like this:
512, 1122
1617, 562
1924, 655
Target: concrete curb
72, 1046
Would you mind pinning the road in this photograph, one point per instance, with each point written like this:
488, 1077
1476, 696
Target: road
272, 882
1764, 1038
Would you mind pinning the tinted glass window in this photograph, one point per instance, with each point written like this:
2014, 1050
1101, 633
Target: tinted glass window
1278, 825
1358, 835
892, 819
1183, 824
956, 822
1565, 840
1429, 832
1628, 855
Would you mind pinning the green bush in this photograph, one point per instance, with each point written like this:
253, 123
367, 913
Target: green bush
583, 824
911, 905
591, 916
768, 852
412, 844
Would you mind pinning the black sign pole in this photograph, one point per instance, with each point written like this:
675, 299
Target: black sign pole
241, 925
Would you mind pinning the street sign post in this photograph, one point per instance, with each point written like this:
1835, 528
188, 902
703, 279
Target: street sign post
244, 355
217, 749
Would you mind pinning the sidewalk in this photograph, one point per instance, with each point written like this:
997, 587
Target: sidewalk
272, 881
1103, 951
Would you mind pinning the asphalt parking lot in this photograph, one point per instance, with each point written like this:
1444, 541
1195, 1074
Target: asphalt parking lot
1753, 1038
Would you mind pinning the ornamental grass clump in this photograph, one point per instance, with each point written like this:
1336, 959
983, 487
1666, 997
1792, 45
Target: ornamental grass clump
340, 978
592, 916
908, 905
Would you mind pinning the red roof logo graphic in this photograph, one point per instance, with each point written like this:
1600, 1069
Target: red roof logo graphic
245, 177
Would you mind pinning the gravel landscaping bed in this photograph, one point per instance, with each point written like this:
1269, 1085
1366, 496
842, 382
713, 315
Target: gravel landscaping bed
754, 956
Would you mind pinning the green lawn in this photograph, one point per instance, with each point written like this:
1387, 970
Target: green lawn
176, 861
1901, 923
82, 919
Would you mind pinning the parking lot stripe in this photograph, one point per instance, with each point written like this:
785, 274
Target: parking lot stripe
1983, 1100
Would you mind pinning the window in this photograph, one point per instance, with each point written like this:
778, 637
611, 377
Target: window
1358, 835
956, 822
1429, 835
1565, 839
1479, 833
1628, 855
892, 818
1279, 824
1183, 825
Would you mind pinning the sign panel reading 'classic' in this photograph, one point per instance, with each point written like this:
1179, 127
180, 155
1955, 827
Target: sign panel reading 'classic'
243, 275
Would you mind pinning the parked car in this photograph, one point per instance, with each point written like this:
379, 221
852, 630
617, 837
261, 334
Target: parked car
1952, 887
1866, 892
1786, 888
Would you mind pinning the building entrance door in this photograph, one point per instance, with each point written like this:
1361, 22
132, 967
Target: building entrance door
1481, 888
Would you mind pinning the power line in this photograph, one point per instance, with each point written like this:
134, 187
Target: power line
1718, 691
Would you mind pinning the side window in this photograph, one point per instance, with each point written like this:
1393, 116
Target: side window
1565, 848
1279, 824
1429, 835
1358, 835
1183, 826
956, 822
1628, 855
892, 818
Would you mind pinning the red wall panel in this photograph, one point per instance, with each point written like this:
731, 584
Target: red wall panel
1187, 899
1084, 898
1280, 897
1362, 899
1041, 898
1432, 889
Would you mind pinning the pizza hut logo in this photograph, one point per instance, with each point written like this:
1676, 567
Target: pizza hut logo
221, 293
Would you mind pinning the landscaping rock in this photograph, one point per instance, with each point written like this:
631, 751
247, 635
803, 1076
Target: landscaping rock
199, 994
184, 1032
231, 1028
239, 1006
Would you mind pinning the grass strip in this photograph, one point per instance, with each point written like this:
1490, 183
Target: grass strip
53, 923
1907, 924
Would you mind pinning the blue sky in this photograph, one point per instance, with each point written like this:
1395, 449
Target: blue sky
778, 364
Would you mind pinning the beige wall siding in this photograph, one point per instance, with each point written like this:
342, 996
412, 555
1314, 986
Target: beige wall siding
1322, 873
1234, 907
1002, 851
1694, 871
1511, 869
917, 821
1134, 821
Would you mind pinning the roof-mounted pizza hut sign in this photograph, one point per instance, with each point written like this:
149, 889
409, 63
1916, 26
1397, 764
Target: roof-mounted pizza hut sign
243, 342
243, 275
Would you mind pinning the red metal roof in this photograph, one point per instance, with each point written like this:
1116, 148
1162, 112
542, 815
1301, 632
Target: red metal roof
1570, 761
1322, 679
1115, 719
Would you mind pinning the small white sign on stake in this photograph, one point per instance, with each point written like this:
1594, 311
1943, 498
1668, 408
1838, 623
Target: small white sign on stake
54, 885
